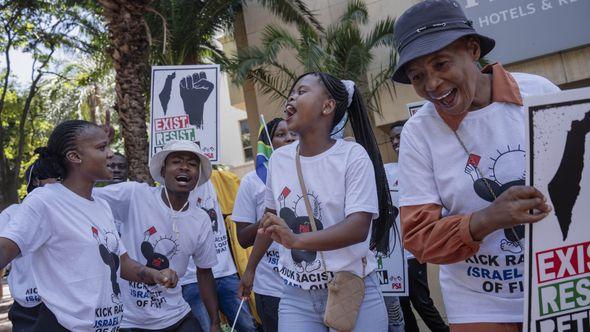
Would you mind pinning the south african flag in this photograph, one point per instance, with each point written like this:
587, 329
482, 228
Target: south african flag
264, 150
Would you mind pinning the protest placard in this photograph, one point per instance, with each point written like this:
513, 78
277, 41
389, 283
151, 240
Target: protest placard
184, 105
412, 108
392, 269
557, 282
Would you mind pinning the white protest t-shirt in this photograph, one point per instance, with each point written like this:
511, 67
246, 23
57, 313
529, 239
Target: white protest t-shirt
147, 230
249, 208
392, 174
75, 252
205, 198
435, 169
20, 280
340, 181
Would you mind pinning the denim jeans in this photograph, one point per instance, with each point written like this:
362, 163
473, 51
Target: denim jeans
394, 314
303, 310
229, 303
268, 311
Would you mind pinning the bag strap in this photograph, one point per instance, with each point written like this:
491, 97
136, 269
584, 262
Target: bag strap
310, 211
307, 204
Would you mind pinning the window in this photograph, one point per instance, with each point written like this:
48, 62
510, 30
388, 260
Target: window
246, 144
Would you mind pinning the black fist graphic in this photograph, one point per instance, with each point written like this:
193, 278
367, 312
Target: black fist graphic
194, 91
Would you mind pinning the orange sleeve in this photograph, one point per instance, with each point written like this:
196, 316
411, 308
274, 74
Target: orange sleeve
434, 239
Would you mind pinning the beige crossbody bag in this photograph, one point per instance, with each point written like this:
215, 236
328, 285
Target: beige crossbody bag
347, 290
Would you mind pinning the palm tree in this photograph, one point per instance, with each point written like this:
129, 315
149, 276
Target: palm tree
130, 52
184, 35
342, 50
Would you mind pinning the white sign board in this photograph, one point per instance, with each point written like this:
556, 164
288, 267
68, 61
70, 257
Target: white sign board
392, 269
557, 288
414, 107
185, 105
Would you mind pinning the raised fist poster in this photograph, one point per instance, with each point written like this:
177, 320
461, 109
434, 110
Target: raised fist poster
558, 253
185, 106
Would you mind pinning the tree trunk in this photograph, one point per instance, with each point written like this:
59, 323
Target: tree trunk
130, 54
8, 190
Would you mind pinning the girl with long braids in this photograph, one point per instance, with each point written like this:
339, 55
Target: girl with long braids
71, 237
347, 195
248, 210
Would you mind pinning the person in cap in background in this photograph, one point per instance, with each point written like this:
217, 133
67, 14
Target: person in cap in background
25, 308
419, 293
463, 150
247, 213
161, 227
120, 168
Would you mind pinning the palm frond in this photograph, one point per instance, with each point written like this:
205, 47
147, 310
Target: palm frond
274, 85
381, 34
356, 13
275, 38
293, 11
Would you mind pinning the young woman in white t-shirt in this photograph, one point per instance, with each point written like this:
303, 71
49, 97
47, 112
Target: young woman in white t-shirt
340, 177
71, 236
248, 210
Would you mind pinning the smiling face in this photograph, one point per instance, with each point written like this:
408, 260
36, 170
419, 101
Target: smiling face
92, 154
181, 171
309, 105
283, 136
448, 78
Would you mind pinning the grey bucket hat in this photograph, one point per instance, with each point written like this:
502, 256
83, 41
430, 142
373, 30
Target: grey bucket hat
428, 27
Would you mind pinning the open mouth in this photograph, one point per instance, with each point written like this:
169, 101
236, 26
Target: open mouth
182, 179
289, 112
448, 98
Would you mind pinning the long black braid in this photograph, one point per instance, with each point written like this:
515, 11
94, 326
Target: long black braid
363, 133
52, 158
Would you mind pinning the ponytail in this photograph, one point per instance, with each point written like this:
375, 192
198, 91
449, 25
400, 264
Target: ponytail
363, 133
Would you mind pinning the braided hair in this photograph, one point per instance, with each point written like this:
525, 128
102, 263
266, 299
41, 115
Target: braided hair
52, 158
363, 133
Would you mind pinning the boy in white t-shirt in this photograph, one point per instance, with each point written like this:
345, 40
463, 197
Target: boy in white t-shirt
159, 226
462, 160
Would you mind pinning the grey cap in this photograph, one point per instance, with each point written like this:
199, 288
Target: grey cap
428, 27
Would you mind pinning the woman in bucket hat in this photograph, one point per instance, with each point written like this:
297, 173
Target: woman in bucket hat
463, 199
160, 228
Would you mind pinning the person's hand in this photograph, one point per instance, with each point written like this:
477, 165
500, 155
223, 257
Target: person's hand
510, 209
108, 129
275, 227
246, 282
167, 277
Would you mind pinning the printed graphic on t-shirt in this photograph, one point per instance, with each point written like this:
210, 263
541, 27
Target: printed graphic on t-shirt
158, 254
298, 221
108, 318
208, 205
503, 176
499, 273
